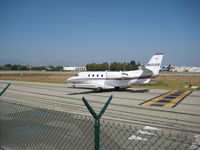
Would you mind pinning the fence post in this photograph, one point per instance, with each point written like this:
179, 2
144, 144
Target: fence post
97, 120
1, 93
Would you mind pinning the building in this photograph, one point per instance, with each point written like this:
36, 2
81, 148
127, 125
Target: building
74, 69
183, 69
194, 69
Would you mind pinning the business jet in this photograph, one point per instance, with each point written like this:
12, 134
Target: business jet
117, 79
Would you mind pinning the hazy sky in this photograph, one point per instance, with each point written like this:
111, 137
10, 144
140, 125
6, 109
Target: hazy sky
77, 32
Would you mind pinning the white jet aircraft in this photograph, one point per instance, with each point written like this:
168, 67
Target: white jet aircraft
117, 79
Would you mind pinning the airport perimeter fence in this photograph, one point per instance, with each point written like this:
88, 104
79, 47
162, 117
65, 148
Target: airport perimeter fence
27, 127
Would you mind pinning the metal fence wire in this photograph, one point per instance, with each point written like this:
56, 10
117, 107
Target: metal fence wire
26, 127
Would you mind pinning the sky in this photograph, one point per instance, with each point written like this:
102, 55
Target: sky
78, 32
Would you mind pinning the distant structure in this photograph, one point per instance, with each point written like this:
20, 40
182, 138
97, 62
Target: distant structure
74, 69
172, 68
29, 66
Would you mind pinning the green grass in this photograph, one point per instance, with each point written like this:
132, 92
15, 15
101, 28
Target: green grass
171, 82
162, 82
154, 84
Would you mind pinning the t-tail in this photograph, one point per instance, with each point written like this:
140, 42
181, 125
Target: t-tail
155, 63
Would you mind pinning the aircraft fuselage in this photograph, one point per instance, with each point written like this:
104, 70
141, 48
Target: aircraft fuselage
110, 79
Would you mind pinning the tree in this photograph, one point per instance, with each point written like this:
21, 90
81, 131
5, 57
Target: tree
91, 67
1, 67
102, 67
128, 67
23, 68
7, 66
116, 66
58, 68
134, 65
15, 67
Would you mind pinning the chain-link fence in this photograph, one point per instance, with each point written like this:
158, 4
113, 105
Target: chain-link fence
27, 127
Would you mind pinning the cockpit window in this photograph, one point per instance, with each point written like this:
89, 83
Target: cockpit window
76, 75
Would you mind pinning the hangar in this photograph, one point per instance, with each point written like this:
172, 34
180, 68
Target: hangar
74, 69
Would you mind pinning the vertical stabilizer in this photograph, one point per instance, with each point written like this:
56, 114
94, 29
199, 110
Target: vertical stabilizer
155, 63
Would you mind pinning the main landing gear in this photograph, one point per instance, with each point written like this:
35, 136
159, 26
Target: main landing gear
99, 89
117, 88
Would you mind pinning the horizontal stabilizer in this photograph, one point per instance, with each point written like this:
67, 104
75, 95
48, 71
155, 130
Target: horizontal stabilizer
147, 70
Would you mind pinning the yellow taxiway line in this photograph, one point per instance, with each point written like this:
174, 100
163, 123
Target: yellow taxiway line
169, 99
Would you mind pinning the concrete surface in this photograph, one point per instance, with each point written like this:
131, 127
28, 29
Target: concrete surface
124, 105
182, 120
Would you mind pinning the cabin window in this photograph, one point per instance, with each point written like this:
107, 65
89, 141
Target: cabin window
102, 75
97, 75
76, 75
88, 75
93, 75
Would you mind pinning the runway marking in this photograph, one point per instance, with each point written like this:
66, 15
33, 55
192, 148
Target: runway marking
150, 128
135, 137
144, 133
4, 148
169, 99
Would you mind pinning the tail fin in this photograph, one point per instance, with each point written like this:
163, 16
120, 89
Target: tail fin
155, 63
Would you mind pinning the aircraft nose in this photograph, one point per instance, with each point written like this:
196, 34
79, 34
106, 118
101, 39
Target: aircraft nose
69, 80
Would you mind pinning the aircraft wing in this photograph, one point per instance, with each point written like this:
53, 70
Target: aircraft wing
81, 85
89, 86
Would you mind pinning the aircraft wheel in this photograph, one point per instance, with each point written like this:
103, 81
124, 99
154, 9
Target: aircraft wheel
99, 89
73, 86
117, 88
